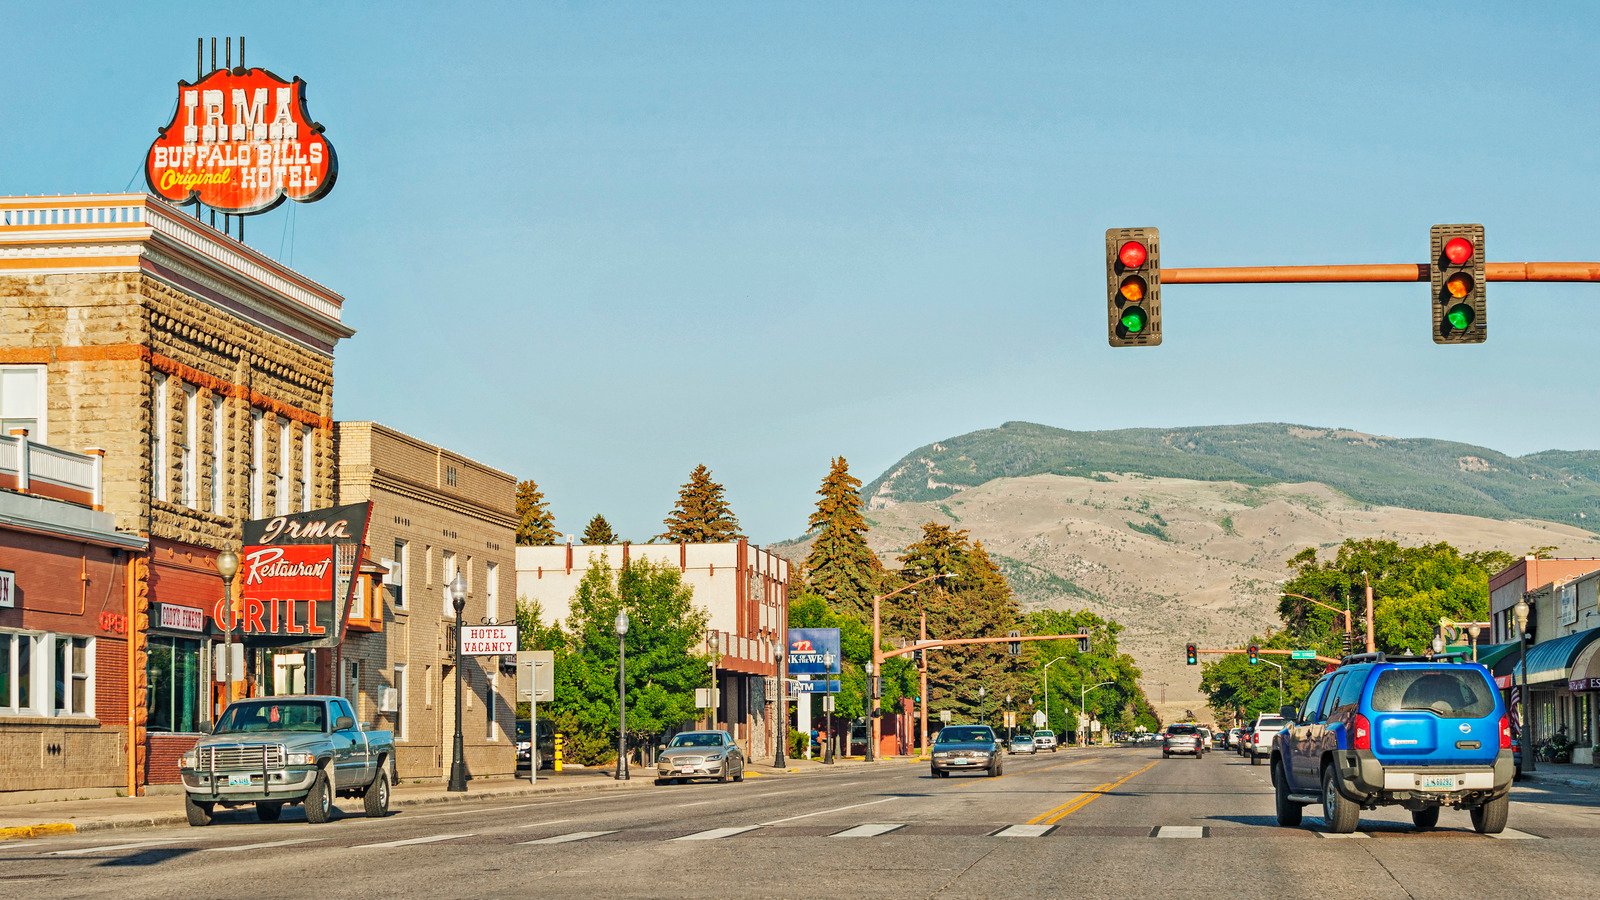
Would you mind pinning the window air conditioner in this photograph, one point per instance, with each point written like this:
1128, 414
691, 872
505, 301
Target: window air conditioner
388, 700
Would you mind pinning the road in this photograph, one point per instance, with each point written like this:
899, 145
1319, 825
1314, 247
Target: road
1103, 822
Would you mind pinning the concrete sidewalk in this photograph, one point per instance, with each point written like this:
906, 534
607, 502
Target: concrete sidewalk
1578, 776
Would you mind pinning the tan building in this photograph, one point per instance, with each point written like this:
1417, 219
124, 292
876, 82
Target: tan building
434, 513
204, 370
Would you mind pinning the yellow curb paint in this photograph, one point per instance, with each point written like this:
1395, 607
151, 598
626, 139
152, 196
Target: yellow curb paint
22, 832
1052, 816
754, 775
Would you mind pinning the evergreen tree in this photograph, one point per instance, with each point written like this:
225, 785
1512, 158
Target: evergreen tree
840, 566
599, 533
702, 515
536, 525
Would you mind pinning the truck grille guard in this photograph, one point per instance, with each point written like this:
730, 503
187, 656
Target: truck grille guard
233, 758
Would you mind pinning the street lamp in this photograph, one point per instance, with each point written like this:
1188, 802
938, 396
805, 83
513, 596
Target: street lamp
1083, 711
867, 709
827, 709
1519, 615
981, 717
458, 762
621, 626
1046, 677
715, 640
780, 660
227, 567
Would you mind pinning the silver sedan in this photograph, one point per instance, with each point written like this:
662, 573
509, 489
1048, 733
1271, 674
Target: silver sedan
700, 754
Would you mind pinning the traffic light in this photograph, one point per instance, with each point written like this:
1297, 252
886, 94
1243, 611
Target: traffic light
1083, 645
1015, 647
1133, 287
1459, 311
1192, 654
1254, 654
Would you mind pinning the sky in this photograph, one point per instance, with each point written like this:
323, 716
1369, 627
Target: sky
598, 244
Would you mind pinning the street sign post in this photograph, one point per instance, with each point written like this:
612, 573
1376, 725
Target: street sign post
1039, 719
536, 680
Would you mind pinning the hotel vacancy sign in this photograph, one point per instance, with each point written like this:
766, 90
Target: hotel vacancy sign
488, 640
241, 141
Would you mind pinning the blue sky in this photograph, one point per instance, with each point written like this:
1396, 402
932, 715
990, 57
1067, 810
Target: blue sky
597, 244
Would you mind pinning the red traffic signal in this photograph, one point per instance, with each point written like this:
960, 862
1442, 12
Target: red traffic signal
1458, 250
1192, 654
1133, 254
1254, 654
1133, 287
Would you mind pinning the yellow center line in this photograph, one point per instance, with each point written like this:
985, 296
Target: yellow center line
1052, 816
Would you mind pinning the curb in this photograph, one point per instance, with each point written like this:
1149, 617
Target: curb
1541, 778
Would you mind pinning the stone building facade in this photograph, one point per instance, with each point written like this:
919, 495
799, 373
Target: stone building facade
434, 512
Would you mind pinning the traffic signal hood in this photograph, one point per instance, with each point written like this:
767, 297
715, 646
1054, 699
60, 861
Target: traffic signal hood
1133, 287
1192, 654
1254, 654
1457, 276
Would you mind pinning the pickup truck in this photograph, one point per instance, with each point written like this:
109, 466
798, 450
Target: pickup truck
273, 751
1258, 746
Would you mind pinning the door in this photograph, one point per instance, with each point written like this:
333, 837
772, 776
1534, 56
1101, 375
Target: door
349, 749
1305, 736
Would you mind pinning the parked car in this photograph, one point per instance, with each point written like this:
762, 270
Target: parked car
1182, 738
1022, 742
1045, 739
528, 752
1259, 746
274, 752
1219, 739
692, 755
966, 748
1380, 731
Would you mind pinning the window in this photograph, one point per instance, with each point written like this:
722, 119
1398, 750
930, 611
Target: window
158, 438
400, 703
352, 683
358, 598
191, 462
258, 463
448, 566
1348, 692
397, 575
450, 475
17, 661
1312, 712
489, 680
1450, 693
172, 691
219, 434
491, 589
306, 456
22, 401
280, 491
73, 662
1582, 719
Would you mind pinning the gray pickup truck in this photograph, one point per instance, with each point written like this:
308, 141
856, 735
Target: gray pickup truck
272, 751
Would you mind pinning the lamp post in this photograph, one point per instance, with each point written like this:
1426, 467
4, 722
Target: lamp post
458, 762
1046, 677
1519, 615
621, 626
867, 709
1280, 678
227, 567
715, 640
780, 660
1083, 710
827, 709
982, 718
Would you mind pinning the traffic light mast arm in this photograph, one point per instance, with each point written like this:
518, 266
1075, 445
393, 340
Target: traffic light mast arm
958, 642
1262, 651
1343, 612
1379, 272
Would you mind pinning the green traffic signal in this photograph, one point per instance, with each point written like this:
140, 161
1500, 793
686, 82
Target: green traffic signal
1460, 316
1134, 319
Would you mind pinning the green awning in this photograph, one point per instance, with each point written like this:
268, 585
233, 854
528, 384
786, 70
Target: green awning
1488, 654
1549, 660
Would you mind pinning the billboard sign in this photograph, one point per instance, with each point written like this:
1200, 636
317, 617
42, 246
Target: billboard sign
297, 577
241, 141
813, 651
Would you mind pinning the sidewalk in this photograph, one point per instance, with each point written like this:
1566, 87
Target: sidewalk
1578, 776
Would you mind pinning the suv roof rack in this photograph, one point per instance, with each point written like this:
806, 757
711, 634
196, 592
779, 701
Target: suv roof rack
1380, 657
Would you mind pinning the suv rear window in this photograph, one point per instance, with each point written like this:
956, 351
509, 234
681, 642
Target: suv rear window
1180, 729
1449, 693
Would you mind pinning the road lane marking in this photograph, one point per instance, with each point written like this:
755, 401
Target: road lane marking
262, 845
1052, 816
1180, 831
1024, 831
540, 824
1511, 834
107, 848
430, 839
569, 838
468, 812
1353, 834
716, 833
769, 794
825, 811
872, 830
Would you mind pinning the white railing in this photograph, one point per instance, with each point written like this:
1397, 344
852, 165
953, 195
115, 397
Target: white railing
31, 466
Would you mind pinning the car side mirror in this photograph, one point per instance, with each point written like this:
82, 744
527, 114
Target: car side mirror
660, 747
343, 723
1289, 713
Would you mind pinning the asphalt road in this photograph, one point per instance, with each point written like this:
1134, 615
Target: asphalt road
1113, 822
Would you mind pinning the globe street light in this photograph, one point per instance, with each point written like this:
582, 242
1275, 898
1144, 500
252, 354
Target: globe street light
458, 762
227, 567
621, 626
780, 661
1519, 617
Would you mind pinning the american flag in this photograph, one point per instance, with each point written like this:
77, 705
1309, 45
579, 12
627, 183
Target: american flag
1516, 708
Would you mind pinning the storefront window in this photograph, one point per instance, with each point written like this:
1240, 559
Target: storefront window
71, 672
1582, 717
173, 690
46, 674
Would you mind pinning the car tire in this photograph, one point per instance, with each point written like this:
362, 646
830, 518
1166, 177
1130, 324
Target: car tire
199, 814
375, 799
1165, 755
1425, 819
663, 781
319, 800
739, 777
722, 776
1490, 817
269, 812
1289, 812
1340, 815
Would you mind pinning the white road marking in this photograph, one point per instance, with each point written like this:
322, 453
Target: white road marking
1180, 831
107, 848
715, 833
872, 830
1353, 834
1024, 831
769, 794
264, 844
1511, 834
430, 839
468, 812
568, 838
822, 812
551, 822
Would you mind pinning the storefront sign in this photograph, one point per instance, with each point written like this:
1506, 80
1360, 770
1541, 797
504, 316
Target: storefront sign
240, 141
1583, 684
283, 592
1569, 604
8, 588
813, 651
180, 618
488, 640
334, 525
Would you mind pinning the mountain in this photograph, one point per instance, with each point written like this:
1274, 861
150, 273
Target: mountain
1183, 534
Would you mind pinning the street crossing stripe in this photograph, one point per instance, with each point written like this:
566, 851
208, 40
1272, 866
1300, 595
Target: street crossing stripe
569, 838
430, 839
1180, 831
1353, 834
715, 833
263, 845
825, 811
1052, 816
872, 830
1511, 834
1024, 831
84, 851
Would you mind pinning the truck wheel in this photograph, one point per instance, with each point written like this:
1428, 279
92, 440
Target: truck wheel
1425, 819
319, 801
269, 812
375, 799
1490, 818
1289, 812
1340, 815
199, 814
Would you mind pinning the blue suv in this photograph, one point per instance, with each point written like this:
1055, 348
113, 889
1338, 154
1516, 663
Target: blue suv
1387, 731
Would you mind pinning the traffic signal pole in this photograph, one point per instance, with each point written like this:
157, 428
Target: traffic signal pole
1380, 272
1262, 651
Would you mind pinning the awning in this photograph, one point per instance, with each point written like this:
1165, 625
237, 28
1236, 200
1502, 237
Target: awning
1488, 654
1552, 660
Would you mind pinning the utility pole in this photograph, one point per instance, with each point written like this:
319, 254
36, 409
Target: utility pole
1372, 644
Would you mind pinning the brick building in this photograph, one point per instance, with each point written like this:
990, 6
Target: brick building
434, 513
204, 370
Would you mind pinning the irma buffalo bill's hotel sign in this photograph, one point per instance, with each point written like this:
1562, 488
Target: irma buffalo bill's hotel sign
240, 142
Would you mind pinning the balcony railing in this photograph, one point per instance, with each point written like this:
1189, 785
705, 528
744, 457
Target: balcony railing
34, 468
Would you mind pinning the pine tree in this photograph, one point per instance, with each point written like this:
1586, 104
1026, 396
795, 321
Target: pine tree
840, 566
702, 514
599, 532
536, 525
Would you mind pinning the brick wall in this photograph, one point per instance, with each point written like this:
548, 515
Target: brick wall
161, 760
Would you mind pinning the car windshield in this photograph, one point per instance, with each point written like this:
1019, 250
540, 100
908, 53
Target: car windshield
273, 715
965, 735
697, 739
1180, 729
522, 731
1451, 693
1045, 734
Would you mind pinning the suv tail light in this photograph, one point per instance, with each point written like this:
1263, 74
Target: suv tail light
1505, 732
1361, 733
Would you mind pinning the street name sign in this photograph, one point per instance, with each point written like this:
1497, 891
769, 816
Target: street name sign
1303, 654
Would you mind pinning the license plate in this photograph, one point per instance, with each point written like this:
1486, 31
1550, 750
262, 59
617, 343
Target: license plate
686, 770
1438, 782
958, 762
238, 781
